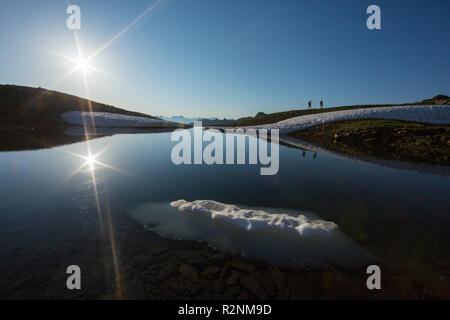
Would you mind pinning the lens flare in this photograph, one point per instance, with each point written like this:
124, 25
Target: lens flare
83, 65
90, 160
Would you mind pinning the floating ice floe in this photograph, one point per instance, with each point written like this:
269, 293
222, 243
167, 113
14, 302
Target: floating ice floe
107, 119
434, 114
256, 219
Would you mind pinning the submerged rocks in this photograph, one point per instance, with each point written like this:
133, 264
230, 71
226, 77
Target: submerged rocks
173, 269
252, 285
241, 265
162, 275
231, 280
189, 272
158, 249
211, 270
219, 285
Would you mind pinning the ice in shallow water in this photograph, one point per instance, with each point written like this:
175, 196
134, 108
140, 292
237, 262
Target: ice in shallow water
249, 219
280, 236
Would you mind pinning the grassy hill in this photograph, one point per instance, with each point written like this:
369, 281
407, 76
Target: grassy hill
41, 108
261, 118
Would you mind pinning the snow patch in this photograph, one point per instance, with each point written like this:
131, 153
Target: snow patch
434, 114
248, 219
276, 235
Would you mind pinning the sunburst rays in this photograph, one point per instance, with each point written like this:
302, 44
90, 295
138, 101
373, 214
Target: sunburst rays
84, 65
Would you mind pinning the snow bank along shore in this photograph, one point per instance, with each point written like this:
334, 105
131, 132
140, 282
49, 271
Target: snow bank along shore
434, 114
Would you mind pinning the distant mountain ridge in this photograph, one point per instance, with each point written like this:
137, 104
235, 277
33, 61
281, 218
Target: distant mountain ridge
205, 121
180, 119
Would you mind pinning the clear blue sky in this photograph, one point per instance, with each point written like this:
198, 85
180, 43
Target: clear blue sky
231, 58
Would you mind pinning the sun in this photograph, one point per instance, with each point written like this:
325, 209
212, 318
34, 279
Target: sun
83, 65
90, 160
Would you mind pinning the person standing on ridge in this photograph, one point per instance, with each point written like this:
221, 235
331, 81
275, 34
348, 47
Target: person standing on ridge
321, 104
309, 105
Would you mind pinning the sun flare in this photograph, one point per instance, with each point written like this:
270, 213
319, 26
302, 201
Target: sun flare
83, 65
90, 160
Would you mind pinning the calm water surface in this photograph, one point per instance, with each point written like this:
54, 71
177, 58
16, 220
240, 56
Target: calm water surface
397, 218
